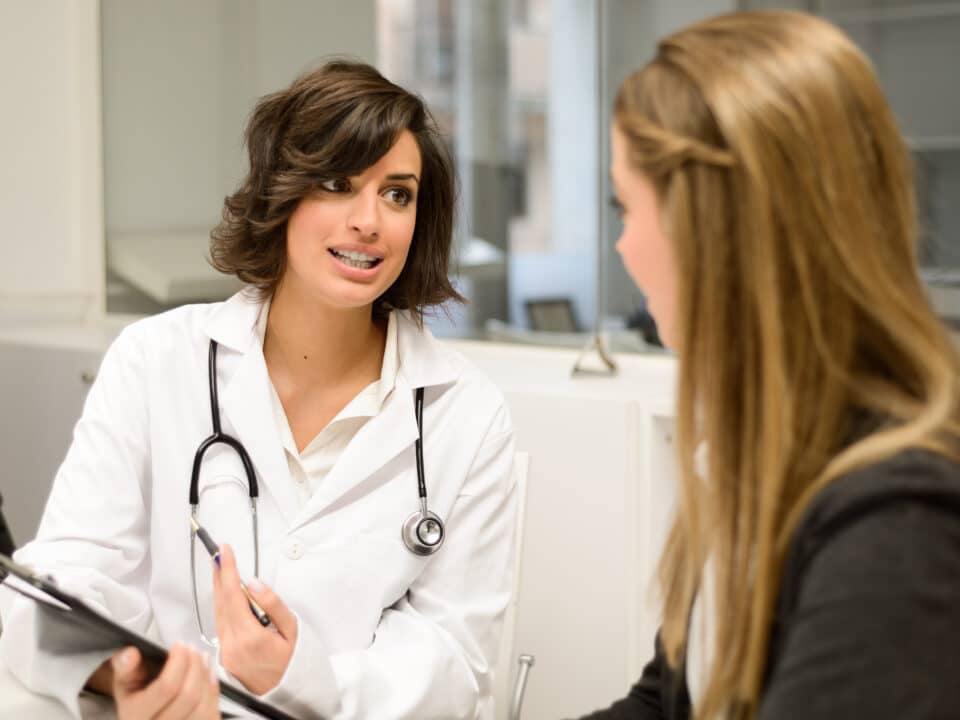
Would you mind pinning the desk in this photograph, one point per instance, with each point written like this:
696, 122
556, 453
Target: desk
169, 267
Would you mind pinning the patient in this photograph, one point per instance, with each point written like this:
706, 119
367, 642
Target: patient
813, 567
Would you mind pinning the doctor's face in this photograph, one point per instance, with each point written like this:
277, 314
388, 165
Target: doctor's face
644, 248
348, 241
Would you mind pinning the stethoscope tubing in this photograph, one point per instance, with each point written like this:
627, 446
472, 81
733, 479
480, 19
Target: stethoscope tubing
421, 475
411, 530
218, 436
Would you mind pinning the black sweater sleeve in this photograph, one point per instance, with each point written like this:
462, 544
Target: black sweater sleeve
659, 694
874, 627
868, 620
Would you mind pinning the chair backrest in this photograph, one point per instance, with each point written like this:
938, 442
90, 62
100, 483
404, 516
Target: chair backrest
506, 669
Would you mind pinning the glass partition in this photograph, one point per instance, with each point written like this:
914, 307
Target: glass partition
179, 79
512, 83
523, 90
913, 47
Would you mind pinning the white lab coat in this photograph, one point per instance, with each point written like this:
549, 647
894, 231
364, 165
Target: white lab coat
382, 633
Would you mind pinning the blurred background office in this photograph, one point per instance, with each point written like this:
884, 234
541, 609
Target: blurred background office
121, 134
148, 141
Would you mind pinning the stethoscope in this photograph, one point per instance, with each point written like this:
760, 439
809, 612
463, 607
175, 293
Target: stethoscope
422, 532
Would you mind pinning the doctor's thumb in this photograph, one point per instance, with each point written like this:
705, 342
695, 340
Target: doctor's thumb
127, 671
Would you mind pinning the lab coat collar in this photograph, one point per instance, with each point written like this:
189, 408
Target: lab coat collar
245, 400
423, 361
234, 323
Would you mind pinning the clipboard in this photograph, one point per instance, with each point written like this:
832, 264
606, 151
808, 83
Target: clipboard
73, 626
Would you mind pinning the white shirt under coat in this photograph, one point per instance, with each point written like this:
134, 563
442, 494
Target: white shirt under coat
382, 633
309, 467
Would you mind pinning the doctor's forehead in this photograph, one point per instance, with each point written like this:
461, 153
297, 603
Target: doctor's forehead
402, 161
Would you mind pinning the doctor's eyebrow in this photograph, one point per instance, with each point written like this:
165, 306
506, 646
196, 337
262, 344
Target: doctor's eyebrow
404, 176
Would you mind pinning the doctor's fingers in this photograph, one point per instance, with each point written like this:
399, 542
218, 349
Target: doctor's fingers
136, 703
129, 673
199, 694
230, 604
280, 615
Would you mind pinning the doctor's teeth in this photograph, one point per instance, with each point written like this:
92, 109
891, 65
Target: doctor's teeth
358, 256
357, 263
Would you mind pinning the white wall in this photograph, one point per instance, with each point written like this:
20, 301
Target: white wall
51, 233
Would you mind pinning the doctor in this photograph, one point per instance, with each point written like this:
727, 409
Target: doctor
342, 230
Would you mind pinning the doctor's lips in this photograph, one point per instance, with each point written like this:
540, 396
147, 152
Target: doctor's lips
214, 551
362, 258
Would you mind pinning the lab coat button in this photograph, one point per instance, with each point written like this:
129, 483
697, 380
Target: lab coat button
295, 550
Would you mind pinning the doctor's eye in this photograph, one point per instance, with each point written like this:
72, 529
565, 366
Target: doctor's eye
399, 195
336, 185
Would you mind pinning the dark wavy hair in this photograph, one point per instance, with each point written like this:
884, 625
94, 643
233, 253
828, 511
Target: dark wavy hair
335, 122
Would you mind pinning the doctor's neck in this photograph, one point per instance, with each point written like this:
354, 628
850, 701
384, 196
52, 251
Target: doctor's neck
320, 343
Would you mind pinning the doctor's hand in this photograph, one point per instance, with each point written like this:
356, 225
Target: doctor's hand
257, 656
186, 687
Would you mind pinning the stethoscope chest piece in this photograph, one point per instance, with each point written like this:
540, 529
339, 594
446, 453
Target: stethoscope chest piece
423, 533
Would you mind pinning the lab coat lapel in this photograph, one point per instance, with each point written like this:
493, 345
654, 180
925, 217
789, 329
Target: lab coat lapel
423, 363
386, 435
245, 397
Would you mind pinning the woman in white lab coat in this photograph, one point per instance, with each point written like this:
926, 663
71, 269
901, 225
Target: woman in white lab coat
342, 230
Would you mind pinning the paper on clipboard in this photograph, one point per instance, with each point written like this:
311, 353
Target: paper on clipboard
69, 625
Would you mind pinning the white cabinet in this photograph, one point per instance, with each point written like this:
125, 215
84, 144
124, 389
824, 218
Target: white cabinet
599, 500
44, 377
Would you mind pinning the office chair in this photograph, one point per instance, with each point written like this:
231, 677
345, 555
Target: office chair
509, 696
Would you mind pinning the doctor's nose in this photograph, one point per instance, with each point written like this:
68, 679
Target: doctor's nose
364, 215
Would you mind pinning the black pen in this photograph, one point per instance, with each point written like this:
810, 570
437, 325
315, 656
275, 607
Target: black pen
214, 551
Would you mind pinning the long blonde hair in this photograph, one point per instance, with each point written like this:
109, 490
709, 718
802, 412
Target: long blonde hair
786, 191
